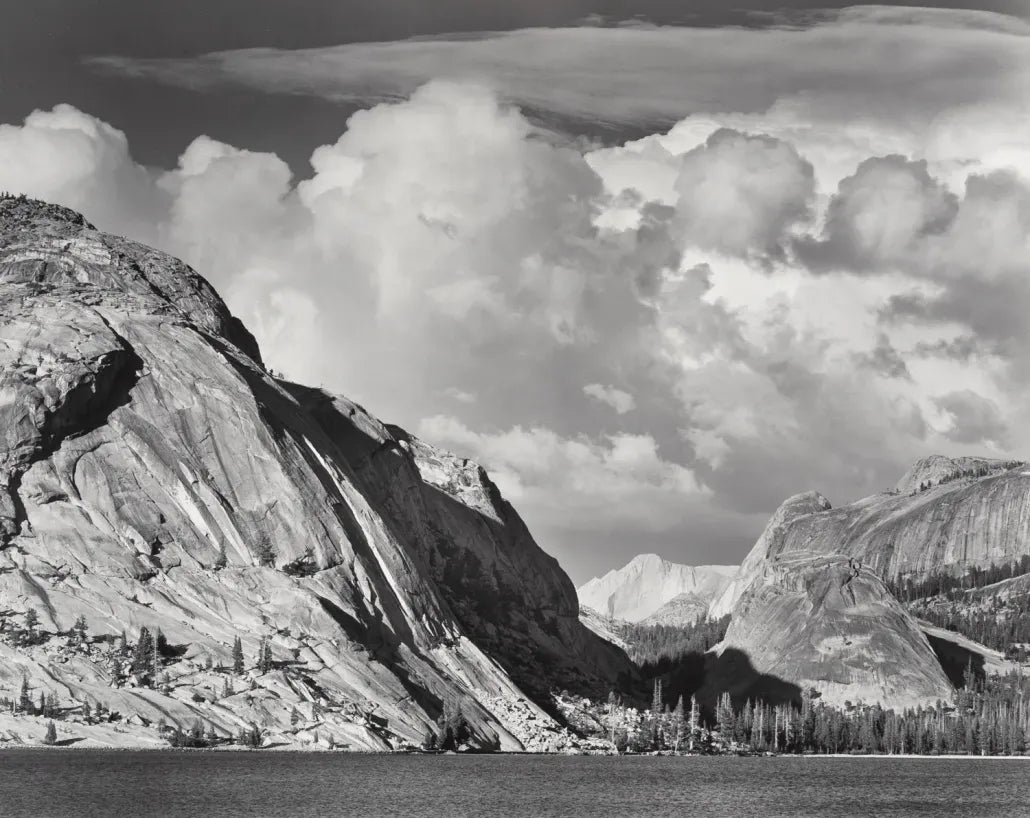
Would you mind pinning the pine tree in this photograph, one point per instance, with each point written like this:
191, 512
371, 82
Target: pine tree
80, 629
680, 727
264, 552
294, 717
237, 656
724, 719
31, 622
264, 657
86, 714
50, 739
143, 655
155, 657
695, 724
221, 560
25, 699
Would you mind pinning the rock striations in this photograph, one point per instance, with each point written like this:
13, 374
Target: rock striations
970, 512
823, 622
809, 604
154, 475
651, 587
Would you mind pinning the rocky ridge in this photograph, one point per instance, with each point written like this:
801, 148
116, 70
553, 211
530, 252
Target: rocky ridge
153, 474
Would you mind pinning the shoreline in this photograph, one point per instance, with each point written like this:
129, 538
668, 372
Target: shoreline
341, 752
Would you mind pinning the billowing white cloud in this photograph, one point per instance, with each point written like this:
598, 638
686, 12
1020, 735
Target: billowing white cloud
879, 215
972, 418
578, 482
739, 194
622, 402
67, 156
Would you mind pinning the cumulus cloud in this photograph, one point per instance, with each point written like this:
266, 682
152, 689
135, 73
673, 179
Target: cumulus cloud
596, 483
739, 194
622, 402
879, 215
68, 156
885, 359
972, 418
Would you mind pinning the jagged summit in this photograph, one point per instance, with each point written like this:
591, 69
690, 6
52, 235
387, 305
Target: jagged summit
648, 582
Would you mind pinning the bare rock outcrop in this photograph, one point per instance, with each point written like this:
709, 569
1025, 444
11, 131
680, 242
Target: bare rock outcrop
154, 474
825, 622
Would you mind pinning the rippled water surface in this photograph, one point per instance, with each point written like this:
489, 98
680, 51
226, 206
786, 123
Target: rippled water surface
123, 783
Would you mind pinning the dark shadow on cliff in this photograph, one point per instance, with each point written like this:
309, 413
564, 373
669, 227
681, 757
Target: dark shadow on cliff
708, 675
85, 407
533, 632
956, 659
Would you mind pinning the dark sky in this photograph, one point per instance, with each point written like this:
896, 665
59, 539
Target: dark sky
42, 44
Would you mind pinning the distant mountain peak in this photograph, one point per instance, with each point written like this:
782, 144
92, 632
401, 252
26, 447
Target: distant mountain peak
647, 582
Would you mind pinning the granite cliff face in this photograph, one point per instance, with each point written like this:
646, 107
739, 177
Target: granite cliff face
797, 618
642, 588
154, 474
971, 512
824, 622
949, 527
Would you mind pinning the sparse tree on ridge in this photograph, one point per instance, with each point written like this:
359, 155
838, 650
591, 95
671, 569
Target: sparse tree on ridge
80, 628
25, 699
237, 656
264, 552
143, 655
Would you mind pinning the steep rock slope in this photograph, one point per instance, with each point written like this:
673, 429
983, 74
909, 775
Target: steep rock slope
823, 622
975, 512
153, 474
648, 582
945, 529
768, 545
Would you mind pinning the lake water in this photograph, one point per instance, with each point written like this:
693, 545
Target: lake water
84, 783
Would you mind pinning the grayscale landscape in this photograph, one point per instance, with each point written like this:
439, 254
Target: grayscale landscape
557, 409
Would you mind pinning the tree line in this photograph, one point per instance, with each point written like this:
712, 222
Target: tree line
953, 587
655, 647
950, 602
990, 716
979, 471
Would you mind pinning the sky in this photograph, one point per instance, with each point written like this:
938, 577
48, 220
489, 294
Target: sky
656, 265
